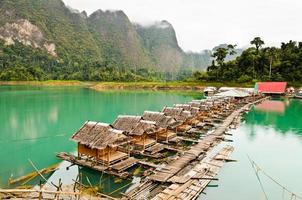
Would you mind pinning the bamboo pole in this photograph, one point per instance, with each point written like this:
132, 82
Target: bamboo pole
37, 191
108, 158
41, 175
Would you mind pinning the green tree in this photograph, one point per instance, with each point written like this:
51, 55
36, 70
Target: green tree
257, 42
272, 54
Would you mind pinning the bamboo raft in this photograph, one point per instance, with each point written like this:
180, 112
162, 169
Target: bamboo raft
33, 174
196, 150
99, 167
137, 131
188, 186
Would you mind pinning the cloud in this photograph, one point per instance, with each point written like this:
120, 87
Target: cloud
155, 24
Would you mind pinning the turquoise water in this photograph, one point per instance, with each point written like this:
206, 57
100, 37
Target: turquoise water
272, 136
37, 122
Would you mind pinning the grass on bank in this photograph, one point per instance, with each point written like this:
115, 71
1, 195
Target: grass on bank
193, 85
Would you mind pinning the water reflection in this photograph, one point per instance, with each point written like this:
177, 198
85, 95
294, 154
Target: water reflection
282, 115
105, 183
102, 182
274, 141
36, 122
271, 106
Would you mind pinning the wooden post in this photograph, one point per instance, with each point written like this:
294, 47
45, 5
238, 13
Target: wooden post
75, 185
59, 188
108, 156
167, 135
103, 153
78, 150
144, 142
40, 193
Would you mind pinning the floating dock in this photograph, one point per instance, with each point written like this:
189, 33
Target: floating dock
182, 176
181, 183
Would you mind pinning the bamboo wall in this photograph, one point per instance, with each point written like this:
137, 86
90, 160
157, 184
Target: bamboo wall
83, 149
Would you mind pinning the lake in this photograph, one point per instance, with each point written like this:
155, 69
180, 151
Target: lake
37, 122
271, 135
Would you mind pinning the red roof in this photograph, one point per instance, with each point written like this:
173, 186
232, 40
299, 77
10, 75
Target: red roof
272, 87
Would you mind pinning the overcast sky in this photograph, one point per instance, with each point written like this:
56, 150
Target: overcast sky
203, 24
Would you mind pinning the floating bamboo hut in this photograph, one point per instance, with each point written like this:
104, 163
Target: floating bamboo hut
141, 131
164, 123
107, 147
100, 142
181, 115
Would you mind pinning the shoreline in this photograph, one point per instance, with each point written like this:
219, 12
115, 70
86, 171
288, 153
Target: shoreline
100, 86
42, 83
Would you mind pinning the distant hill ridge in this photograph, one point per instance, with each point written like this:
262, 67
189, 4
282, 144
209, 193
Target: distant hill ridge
70, 40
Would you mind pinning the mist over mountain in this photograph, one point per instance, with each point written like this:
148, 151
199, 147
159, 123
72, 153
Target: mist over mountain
55, 41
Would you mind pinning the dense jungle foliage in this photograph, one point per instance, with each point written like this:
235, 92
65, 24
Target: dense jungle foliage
256, 64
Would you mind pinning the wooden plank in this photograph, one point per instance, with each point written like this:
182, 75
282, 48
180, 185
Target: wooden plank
125, 164
192, 187
197, 152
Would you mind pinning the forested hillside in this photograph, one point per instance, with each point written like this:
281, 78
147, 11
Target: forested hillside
256, 63
42, 39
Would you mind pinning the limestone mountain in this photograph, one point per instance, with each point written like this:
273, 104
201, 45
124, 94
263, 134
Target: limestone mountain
45, 39
49, 25
197, 61
117, 38
161, 43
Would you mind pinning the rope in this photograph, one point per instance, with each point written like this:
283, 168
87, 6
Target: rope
257, 169
37, 138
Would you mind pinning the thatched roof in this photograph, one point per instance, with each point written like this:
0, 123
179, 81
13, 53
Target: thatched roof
194, 104
183, 106
189, 107
233, 93
200, 101
178, 113
194, 110
98, 135
111, 138
142, 127
162, 120
89, 131
173, 112
126, 122
185, 115
197, 103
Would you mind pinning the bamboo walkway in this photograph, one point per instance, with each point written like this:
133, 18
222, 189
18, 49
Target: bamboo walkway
189, 187
200, 148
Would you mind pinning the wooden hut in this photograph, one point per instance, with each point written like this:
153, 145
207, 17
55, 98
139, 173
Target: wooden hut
180, 115
183, 106
164, 123
99, 141
126, 122
201, 104
177, 113
194, 111
141, 131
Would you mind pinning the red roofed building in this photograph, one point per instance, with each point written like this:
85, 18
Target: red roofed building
271, 87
